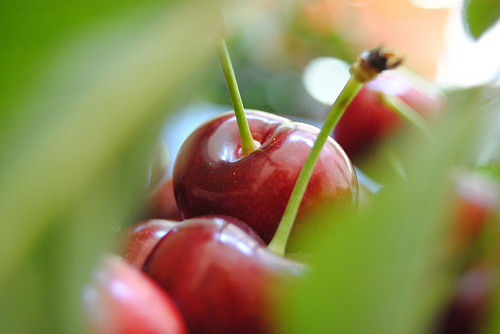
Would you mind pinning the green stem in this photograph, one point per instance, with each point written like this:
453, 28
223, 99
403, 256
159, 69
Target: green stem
248, 144
401, 108
280, 239
367, 67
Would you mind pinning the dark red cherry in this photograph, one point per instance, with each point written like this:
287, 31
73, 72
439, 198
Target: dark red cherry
121, 299
212, 177
222, 280
137, 242
161, 203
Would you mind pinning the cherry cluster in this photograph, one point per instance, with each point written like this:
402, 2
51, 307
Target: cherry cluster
213, 254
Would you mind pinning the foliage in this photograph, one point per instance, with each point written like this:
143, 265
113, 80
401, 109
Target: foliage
390, 269
480, 15
89, 86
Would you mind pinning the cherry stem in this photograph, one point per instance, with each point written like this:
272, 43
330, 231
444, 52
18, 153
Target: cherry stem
401, 108
280, 239
248, 144
368, 66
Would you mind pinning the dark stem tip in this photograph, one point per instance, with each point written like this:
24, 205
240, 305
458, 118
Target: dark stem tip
372, 62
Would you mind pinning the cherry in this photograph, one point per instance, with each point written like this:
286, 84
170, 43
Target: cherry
245, 164
138, 241
476, 199
222, 279
371, 116
211, 176
123, 300
162, 204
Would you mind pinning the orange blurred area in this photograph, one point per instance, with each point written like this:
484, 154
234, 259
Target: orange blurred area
416, 31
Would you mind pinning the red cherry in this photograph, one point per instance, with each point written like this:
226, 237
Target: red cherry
139, 240
123, 300
212, 177
222, 280
367, 120
162, 204
476, 200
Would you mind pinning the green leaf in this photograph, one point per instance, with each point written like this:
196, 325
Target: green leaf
388, 269
483, 149
79, 118
480, 15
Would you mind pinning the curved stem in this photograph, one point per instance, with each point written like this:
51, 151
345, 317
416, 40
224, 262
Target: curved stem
248, 144
280, 239
366, 68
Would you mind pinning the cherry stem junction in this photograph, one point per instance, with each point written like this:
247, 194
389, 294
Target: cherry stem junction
248, 144
369, 65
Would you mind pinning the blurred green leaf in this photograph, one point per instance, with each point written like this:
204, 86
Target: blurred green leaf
493, 323
480, 15
91, 83
31, 30
389, 269
483, 148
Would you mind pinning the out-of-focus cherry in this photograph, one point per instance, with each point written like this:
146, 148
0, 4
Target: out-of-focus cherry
162, 204
121, 299
477, 200
368, 120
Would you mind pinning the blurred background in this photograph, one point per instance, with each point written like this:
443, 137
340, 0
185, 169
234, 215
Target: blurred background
89, 87
293, 58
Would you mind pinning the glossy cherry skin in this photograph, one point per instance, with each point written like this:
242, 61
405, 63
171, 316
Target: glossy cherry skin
162, 204
222, 280
211, 177
367, 120
121, 299
137, 242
